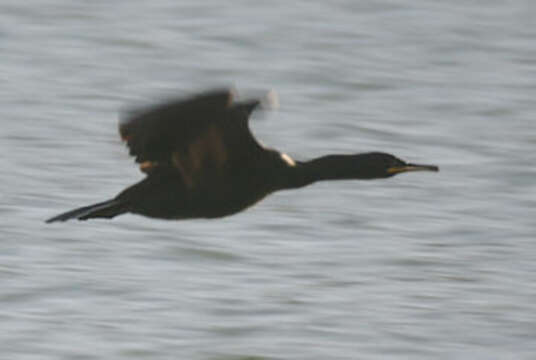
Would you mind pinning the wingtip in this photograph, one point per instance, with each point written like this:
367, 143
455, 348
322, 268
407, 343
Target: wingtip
271, 100
232, 95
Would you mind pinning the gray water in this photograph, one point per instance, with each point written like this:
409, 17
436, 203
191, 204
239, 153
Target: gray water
420, 266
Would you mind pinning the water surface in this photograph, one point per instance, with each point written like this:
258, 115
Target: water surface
419, 266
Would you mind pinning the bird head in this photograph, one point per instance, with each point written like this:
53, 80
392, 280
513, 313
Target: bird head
382, 165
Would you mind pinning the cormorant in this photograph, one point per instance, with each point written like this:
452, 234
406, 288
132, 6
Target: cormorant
202, 161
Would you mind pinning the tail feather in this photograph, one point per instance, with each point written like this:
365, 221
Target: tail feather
107, 209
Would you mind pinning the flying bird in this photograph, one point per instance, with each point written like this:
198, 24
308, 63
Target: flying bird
202, 161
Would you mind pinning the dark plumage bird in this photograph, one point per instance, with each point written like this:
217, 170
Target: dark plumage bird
202, 161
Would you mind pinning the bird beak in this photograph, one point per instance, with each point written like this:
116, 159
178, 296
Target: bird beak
411, 167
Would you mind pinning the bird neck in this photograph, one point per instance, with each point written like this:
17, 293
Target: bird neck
330, 167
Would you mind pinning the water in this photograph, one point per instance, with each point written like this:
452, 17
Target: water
419, 266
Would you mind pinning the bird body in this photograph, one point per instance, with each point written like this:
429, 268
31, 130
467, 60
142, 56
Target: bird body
164, 193
202, 161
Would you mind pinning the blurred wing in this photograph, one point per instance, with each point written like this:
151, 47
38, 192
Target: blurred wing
153, 134
199, 136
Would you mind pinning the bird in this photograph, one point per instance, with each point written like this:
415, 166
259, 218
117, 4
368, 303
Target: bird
201, 160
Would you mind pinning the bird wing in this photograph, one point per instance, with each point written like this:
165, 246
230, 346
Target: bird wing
199, 136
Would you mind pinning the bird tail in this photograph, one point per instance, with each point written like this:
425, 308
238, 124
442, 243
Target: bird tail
107, 209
